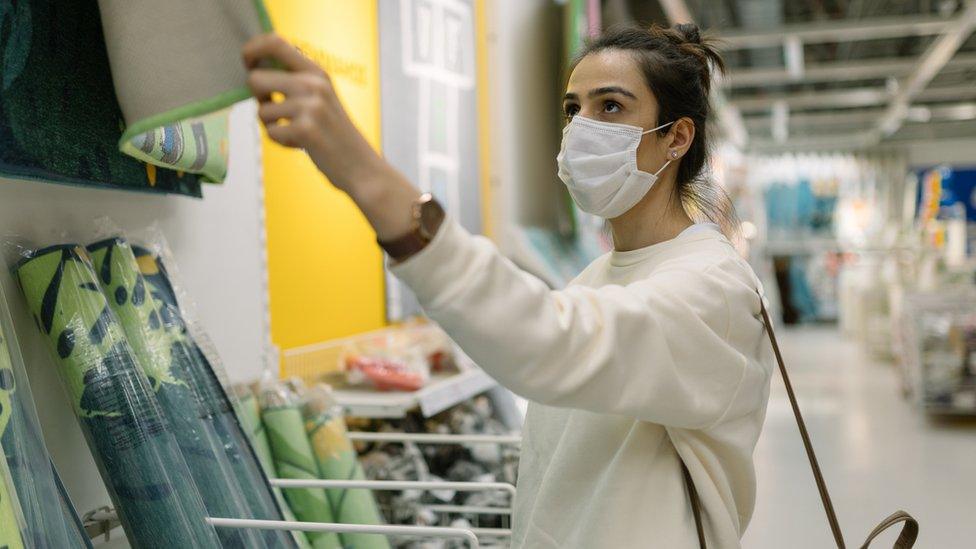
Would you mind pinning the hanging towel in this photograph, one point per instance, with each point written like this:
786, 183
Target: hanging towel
177, 67
60, 119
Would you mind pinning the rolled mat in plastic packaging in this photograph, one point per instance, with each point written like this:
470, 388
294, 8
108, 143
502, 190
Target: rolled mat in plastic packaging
249, 416
133, 446
247, 469
337, 460
140, 317
10, 537
78, 535
49, 521
294, 459
9, 508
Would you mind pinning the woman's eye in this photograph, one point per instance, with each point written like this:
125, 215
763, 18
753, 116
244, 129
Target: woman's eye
570, 110
611, 107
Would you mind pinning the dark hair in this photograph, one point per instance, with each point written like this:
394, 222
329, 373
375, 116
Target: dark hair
677, 63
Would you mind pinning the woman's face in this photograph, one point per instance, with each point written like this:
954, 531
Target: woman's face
609, 86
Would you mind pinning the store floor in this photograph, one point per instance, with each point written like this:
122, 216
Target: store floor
878, 452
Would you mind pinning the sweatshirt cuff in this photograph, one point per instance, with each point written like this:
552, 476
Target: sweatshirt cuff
433, 271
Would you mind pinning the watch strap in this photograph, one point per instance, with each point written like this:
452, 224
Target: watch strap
405, 246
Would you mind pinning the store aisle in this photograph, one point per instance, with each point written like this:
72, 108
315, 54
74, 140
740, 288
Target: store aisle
876, 450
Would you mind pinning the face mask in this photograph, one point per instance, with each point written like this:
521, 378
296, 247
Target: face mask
598, 163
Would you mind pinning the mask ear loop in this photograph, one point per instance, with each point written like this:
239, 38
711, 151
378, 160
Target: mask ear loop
657, 128
668, 163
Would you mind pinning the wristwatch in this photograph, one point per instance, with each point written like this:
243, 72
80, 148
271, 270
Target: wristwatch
427, 217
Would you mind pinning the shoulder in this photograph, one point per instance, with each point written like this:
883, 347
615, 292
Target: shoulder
708, 276
598, 265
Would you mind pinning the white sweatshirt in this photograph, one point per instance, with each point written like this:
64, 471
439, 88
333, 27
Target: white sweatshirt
648, 355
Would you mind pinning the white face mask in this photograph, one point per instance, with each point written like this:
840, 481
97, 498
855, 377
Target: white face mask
598, 163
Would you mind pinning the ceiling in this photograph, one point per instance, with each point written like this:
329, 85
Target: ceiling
832, 74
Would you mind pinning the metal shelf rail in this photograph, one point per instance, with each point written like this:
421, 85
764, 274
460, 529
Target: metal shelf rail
387, 530
470, 535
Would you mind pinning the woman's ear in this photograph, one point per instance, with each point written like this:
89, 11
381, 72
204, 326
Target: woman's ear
682, 136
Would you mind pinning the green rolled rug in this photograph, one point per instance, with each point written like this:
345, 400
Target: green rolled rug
140, 317
78, 535
49, 519
249, 415
294, 459
133, 446
10, 535
243, 460
337, 460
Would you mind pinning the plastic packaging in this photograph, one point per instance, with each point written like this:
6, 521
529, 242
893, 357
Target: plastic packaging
244, 462
294, 459
32, 497
166, 364
249, 414
398, 359
337, 460
133, 445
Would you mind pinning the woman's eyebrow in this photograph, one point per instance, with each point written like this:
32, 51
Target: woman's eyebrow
610, 89
570, 96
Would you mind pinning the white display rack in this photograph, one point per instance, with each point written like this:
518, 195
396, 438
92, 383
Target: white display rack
440, 393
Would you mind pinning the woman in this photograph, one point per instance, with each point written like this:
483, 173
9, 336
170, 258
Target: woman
653, 357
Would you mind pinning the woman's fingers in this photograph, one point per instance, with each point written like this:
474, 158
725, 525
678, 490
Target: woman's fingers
271, 112
284, 135
264, 82
274, 48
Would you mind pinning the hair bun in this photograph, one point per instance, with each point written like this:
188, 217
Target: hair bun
690, 32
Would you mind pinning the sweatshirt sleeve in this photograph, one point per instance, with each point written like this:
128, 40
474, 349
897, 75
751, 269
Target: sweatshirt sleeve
656, 350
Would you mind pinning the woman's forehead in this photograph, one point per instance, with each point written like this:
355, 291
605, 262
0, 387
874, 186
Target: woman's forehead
605, 68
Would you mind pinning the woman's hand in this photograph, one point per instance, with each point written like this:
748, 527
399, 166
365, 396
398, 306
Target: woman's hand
300, 108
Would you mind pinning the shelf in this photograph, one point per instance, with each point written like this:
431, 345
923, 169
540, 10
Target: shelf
440, 393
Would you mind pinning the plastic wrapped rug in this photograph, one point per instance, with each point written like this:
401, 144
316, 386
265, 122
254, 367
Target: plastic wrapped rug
135, 450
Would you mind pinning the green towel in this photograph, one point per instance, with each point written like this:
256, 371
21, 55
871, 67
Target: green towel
249, 416
133, 445
139, 315
294, 459
60, 118
337, 460
243, 460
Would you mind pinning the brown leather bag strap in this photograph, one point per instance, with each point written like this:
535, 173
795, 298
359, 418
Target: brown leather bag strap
909, 533
695, 505
807, 445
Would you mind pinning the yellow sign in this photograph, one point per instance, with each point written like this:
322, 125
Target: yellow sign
324, 267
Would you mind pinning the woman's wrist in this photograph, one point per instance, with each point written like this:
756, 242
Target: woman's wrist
386, 198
